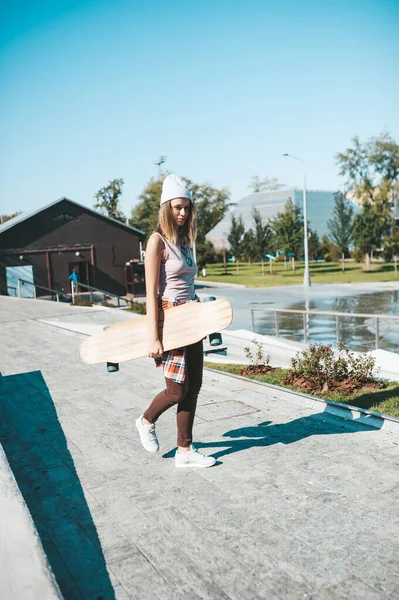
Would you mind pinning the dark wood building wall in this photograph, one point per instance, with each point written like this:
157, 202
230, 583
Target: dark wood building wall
66, 228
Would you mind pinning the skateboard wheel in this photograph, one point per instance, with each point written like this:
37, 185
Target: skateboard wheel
215, 339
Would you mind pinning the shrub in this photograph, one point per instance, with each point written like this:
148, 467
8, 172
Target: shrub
258, 358
321, 364
357, 255
360, 367
317, 362
108, 304
334, 252
82, 301
137, 307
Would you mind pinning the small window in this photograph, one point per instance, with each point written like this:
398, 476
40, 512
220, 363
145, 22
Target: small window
64, 218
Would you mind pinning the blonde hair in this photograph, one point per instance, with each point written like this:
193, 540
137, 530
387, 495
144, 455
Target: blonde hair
168, 227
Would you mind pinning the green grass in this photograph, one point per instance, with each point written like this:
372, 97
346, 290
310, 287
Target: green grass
251, 275
137, 307
385, 401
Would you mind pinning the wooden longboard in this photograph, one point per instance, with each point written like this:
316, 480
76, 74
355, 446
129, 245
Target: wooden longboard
178, 326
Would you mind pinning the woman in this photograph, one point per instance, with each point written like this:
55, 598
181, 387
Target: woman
169, 272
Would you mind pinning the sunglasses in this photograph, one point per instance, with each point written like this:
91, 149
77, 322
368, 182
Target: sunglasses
184, 250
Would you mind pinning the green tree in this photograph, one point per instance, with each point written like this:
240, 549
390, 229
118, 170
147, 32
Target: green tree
268, 184
211, 205
249, 249
341, 225
390, 243
329, 250
205, 254
144, 215
108, 200
324, 245
371, 168
372, 172
263, 237
313, 244
235, 238
288, 229
369, 227
4, 218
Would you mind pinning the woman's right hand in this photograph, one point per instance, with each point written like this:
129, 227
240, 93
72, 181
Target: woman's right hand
155, 350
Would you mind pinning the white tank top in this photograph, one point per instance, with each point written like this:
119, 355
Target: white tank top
177, 272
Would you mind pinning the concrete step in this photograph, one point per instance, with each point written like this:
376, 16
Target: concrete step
24, 571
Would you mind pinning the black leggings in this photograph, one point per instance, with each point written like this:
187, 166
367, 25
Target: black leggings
183, 394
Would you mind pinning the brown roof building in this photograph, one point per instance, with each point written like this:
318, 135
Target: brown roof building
46, 245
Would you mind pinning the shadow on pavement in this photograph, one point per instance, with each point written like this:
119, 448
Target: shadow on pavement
266, 433
372, 401
37, 451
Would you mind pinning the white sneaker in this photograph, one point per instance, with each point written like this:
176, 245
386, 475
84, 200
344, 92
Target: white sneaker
193, 458
148, 436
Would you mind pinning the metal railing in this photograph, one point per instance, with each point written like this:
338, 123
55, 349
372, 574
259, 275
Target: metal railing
20, 282
10, 287
75, 286
57, 294
337, 315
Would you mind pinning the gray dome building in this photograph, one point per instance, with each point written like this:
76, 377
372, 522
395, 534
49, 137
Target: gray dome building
320, 207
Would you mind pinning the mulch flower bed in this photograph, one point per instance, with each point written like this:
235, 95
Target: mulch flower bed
309, 385
346, 386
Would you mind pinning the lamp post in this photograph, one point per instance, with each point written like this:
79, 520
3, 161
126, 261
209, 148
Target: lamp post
306, 275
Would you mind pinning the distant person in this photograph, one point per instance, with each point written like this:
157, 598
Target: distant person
169, 271
74, 278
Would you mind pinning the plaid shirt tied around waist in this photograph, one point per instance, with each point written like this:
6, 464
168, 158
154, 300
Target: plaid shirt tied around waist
173, 361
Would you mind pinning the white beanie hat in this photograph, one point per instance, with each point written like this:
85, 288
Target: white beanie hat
174, 187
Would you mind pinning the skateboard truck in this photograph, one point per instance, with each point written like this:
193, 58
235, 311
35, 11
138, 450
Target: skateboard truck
215, 339
111, 367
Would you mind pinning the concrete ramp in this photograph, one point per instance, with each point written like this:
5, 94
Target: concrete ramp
83, 328
301, 504
24, 571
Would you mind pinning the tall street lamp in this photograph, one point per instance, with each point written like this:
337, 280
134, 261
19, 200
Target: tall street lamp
306, 275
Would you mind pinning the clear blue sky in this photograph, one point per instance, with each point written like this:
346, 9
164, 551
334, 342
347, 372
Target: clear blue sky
98, 89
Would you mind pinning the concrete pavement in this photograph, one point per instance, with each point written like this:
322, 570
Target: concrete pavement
300, 505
